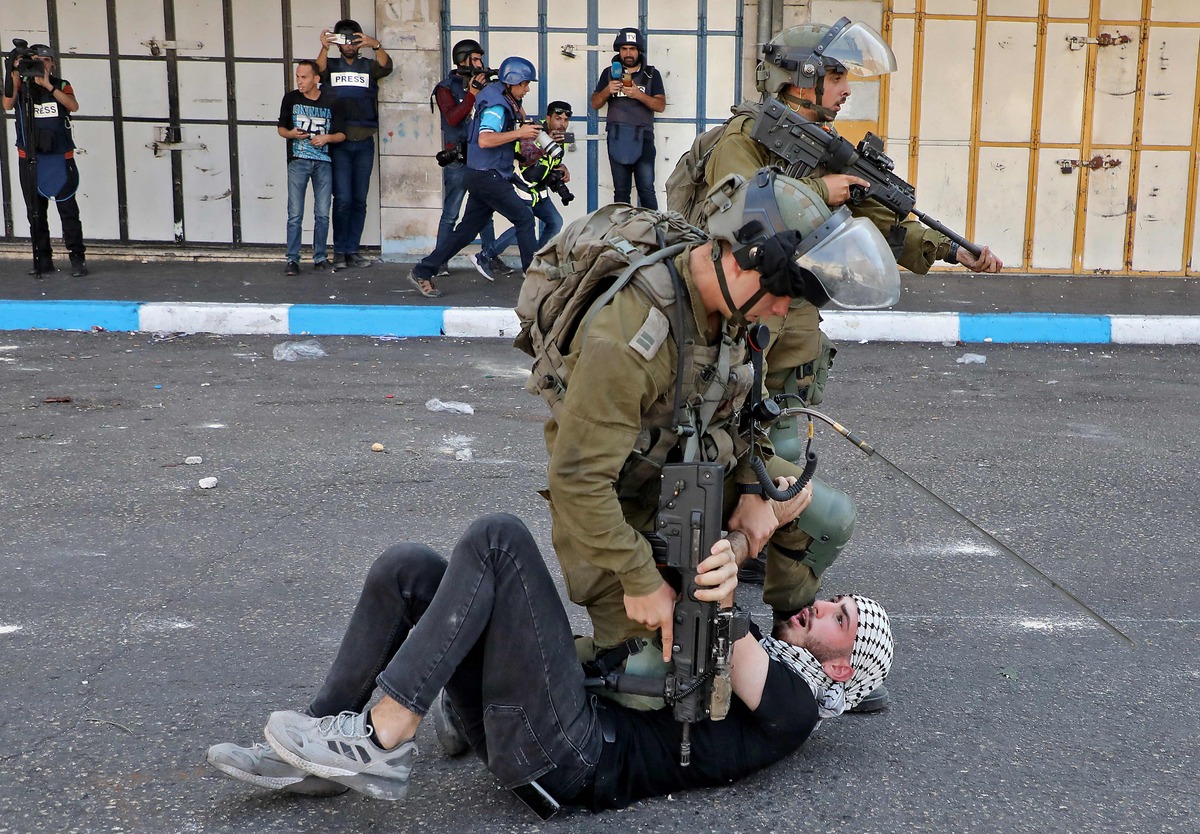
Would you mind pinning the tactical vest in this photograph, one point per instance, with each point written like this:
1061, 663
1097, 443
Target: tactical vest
355, 84
593, 259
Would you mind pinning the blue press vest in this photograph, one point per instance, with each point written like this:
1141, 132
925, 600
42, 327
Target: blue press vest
453, 134
492, 159
355, 85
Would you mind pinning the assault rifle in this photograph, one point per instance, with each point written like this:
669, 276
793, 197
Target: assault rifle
689, 524
793, 137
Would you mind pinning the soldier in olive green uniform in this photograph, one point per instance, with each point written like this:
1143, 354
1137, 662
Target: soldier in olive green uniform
808, 68
612, 427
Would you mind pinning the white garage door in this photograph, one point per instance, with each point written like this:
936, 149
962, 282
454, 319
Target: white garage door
695, 44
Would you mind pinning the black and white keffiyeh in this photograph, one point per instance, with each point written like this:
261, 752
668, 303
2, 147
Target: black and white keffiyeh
871, 658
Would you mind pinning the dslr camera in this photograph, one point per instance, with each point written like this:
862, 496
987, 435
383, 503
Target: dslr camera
449, 156
25, 61
555, 183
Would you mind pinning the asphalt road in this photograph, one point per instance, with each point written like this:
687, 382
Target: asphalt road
143, 618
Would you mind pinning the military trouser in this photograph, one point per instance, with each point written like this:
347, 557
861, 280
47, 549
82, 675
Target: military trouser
797, 555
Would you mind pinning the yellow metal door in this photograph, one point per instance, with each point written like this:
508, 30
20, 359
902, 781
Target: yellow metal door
1061, 132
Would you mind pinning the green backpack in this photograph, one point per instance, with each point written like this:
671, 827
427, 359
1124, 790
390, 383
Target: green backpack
687, 186
581, 270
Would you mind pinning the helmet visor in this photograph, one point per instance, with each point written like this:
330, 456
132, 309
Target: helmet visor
862, 50
854, 265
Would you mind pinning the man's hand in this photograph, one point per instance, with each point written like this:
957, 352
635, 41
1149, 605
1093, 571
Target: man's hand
655, 611
320, 139
986, 262
755, 518
566, 175
786, 511
615, 86
297, 133
365, 40
838, 186
716, 576
327, 38
528, 131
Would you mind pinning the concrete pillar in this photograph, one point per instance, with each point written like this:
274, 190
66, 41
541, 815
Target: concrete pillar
410, 181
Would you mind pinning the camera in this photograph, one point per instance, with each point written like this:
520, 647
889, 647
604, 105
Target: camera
489, 75
25, 61
449, 156
549, 148
555, 183
342, 38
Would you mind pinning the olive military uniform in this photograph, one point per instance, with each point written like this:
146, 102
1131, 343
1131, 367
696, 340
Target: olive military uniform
603, 490
796, 337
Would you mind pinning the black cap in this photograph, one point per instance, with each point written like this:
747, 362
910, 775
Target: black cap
558, 107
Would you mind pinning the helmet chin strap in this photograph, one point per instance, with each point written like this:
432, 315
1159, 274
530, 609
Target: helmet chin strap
823, 114
736, 314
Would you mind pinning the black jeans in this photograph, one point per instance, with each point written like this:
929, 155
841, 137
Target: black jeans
487, 192
68, 213
490, 628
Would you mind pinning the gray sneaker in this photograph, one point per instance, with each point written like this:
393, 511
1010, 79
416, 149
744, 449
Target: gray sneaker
260, 765
339, 747
448, 726
357, 260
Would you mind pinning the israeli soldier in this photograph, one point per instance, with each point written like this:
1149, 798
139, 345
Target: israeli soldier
808, 69
614, 412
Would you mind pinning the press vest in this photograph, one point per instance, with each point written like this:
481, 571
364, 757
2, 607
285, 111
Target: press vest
51, 122
453, 134
355, 84
500, 158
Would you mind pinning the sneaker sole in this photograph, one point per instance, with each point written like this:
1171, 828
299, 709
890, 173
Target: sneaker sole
479, 268
376, 787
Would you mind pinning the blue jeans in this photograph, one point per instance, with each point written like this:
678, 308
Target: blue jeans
641, 172
352, 166
300, 171
489, 627
454, 189
488, 192
543, 210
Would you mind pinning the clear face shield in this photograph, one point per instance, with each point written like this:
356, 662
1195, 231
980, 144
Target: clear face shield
860, 49
852, 263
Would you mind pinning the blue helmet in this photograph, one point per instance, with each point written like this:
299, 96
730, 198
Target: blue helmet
516, 70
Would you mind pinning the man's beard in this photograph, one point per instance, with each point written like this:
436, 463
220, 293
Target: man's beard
631, 60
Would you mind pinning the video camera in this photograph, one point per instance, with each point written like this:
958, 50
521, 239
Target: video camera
25, 61
488, 73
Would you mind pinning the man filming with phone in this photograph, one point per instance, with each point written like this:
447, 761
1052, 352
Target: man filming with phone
355, 80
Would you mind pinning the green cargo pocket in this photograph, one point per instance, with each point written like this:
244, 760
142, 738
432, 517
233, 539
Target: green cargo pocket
824, 361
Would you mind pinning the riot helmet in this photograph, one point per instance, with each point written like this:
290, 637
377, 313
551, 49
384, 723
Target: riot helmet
463, 50
801, 248
516, 70
802, 55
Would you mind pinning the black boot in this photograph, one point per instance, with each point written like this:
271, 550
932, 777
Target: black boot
78, 266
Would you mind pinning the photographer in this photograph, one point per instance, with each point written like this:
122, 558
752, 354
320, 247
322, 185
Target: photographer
455, 98
499, 124
542, 169
355, 80
47, 155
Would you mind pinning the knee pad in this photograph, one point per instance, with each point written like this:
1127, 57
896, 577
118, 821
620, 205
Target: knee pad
829, 519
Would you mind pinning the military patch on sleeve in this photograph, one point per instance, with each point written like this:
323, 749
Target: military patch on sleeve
652, 335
